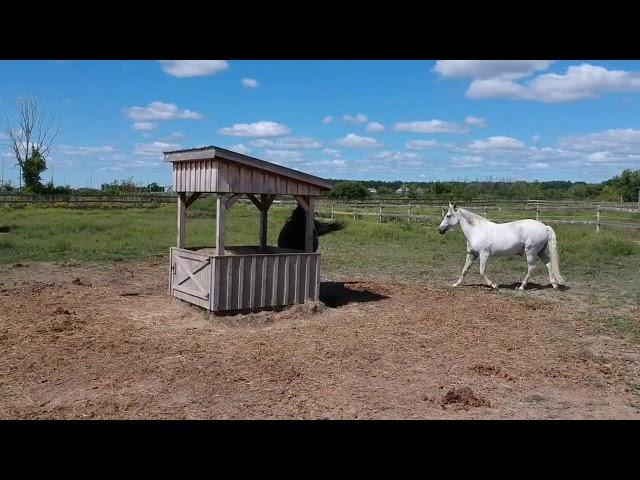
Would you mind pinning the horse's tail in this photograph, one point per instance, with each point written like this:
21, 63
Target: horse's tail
552, 251
327, 227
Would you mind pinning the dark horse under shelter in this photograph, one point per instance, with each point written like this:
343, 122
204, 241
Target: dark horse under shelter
293, 231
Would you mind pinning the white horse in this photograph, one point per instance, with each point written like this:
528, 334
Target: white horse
485, 238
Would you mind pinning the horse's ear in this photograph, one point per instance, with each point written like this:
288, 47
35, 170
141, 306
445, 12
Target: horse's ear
455, 207
450, 206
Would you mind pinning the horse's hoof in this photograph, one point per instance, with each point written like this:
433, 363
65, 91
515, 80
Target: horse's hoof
494, 286
455, 284
521, 288
555, 287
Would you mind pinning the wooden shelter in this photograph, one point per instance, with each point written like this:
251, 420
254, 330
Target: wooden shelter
241, 277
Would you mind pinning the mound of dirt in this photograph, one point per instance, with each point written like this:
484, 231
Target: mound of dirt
465, 397
77, 281
302, 310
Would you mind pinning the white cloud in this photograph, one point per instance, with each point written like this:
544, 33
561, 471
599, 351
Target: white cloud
327, 120
356, 141
497, 143
484, 69
466, 161
375, 127
75, 150
425, 144
287, 142
240, 148
358, 118
495, 87
332, 152
430, 126
161, 111
539, 165
282, 154
578, 83
476, 122
536, 138
283, 157
144, 125
193, 68
618, 140
258, 129
388, 155
599, 157
249, 82
154, 149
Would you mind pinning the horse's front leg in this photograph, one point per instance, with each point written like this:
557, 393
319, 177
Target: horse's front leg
470, 258
484, 256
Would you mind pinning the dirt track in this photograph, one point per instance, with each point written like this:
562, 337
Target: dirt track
81, 341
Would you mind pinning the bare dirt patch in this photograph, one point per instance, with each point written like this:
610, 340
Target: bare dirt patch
113, 344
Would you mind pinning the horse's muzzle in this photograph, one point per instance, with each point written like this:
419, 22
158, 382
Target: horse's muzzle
442, 230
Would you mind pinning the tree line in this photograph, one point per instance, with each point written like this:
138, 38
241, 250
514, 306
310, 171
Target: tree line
623, 187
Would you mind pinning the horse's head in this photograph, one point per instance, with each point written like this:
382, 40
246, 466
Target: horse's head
450, 220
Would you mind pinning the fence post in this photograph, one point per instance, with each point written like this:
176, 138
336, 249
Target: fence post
354, 211
442, 211
409, 214
333, 216
380, 213
598, 219
537, 213
485, 212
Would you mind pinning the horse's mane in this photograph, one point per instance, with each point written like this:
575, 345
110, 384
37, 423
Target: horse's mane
473, 218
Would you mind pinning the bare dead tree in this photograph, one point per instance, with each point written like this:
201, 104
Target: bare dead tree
28, 132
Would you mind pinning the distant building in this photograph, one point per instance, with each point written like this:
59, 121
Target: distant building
372, 191
402, 190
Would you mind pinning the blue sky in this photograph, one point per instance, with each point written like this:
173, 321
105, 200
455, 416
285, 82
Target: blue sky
386, 120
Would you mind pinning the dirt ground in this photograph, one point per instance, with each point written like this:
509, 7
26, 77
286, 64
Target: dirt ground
106, 342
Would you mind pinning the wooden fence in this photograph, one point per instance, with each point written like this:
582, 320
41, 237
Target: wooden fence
598, 215
80, 201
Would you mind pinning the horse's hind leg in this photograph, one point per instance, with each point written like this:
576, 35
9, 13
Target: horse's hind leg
531, 264
484, 256
470, 258
547, 261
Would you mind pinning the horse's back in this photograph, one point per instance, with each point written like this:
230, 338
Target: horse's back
515, 237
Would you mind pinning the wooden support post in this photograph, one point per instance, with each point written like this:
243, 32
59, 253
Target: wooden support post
192, 198
485, 212
442, 211
182, 220
220, 223
354, 211
333, 216
263, 205
264, 210
409, 213
308, 237
380, 217
598, 219
537, 213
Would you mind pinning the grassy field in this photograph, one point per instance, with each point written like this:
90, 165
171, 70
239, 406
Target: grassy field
601, 268
407, 251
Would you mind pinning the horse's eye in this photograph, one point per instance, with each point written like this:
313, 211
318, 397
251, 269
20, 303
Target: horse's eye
448, 215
